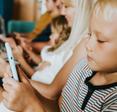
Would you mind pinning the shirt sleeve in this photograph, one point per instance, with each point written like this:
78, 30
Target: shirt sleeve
40, 25
111, 103
111, 108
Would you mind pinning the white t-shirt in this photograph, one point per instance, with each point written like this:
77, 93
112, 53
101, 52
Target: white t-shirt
56, 61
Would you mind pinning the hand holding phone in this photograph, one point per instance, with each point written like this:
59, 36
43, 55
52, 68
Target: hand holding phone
11, 61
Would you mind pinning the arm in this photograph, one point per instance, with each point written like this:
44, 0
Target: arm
53, 90
110, 104
36, 58
28, 69
37, 46
111, 108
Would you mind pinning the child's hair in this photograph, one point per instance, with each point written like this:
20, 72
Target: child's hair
107, 7
61, 25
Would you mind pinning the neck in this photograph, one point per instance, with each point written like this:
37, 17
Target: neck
111, 77
104, 78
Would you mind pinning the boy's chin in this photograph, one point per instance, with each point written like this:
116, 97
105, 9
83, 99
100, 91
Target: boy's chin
96, 68
93, 66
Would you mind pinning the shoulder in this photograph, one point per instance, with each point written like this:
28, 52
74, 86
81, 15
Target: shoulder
80, 72
82, 66
77, 77
110, 104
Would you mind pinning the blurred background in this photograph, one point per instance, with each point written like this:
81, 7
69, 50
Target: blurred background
21, 10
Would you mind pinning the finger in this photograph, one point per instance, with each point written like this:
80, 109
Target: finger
2, 60
10, 81
5, 96
19, 48
8, 72
23, 43
6, 103
15, 48
7, 75
8, 88
17, 34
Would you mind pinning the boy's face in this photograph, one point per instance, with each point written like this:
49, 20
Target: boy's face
102, 44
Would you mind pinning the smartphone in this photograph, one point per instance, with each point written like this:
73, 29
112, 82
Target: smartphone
11, 61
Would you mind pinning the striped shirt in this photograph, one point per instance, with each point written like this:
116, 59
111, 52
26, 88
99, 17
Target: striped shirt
79, 95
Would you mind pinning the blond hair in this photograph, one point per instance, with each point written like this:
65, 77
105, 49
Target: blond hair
80, 25
107, 7
60, 24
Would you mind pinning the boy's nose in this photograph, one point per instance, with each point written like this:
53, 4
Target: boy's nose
90, 44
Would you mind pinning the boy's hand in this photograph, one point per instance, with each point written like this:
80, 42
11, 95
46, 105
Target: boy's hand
4, 67
18, 96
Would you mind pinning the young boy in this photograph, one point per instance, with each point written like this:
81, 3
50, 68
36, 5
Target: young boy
92, 86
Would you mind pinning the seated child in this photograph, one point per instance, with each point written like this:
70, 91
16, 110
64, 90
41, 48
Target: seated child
50, 62
92, 86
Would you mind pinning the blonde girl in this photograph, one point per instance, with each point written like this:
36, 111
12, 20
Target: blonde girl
50, 62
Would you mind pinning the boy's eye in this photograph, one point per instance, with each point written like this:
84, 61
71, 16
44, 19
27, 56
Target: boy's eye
66, 7
100, 41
